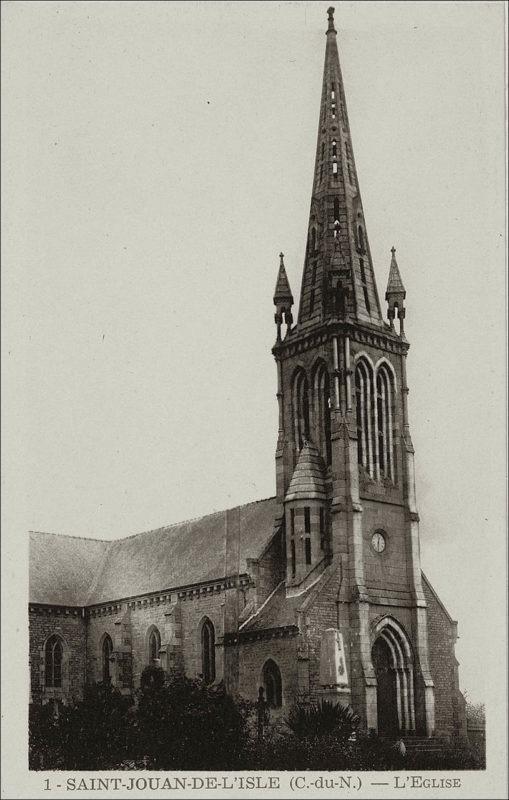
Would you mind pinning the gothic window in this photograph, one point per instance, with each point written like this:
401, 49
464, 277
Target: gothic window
272, 684
307, 520
307, 549
334, 148
336, 209
54, 656
384, 413
312, 240
307, 532
360, 239
334, 168
301, 409
208, 652
364, 412
154, 645
322, 405
312, 295
107, 650
366, 299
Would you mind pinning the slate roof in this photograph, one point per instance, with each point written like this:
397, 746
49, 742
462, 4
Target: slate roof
66, 570
62, 568
307, 480
282, 292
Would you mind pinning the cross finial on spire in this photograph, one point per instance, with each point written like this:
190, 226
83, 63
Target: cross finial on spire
330, 14
281, 259
393, 250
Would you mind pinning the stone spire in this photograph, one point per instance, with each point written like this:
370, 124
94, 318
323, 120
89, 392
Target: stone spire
396, 293
336, 219
283, 298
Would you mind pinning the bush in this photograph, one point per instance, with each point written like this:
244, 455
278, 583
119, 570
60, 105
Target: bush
184, 724
91, 734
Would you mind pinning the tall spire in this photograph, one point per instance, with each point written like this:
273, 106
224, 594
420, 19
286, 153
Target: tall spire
337, 230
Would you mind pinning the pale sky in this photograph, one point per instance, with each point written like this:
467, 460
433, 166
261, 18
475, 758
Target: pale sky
157, 157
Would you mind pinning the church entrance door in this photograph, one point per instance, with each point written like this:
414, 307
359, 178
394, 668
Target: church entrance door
386, 694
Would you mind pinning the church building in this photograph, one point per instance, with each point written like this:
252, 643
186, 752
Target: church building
318, 591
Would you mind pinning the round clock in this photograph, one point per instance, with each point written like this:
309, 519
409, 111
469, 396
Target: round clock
378, 542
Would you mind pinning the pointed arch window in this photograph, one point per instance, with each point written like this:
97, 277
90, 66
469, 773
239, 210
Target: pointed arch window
107, 651
154, 646
312, 240
322, 405
208, 651
273, 684
360, 239
336, 209
334, 148
364, 415
385, 423
301, 409
53, 658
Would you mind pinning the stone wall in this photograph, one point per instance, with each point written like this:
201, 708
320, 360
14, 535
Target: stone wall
442, 635
69, 624
252, 657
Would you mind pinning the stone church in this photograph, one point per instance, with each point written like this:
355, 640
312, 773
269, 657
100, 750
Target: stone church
317, 591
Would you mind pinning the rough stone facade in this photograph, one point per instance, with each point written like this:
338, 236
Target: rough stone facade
317, 592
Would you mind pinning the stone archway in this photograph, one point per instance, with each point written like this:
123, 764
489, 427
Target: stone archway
394, 667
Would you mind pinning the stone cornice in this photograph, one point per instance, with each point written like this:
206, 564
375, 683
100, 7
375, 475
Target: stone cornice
241, 637
47, 609
300, 341
181, 593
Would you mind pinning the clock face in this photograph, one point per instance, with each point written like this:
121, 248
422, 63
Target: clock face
378, 542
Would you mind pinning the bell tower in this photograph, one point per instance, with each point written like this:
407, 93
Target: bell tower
344, 456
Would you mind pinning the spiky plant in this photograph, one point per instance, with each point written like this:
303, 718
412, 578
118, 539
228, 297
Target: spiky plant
313, 720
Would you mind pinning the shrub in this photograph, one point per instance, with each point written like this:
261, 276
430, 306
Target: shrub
91, 734
184, 724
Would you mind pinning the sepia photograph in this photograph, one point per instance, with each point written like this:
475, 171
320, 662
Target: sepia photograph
254, 396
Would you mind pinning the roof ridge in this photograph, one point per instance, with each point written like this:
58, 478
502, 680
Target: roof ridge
159, 528
193, 519
72, 536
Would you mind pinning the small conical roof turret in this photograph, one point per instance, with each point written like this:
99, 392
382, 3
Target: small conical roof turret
395, 294
394, 284
283, 298
307, 481
282, 292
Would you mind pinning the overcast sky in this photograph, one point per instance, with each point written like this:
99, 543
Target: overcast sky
157, 157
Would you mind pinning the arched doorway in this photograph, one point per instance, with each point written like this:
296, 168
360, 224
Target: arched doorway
386, 694
394, 667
